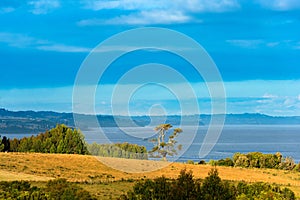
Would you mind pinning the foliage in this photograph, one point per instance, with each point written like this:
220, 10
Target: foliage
4, 144
20, 190
211, 188
61, 189
55, 189
120, 150
184, 187
163, 148
263, 191
223, 162
257, 160
260, 160
297, 167
60, 139
202, 162
191, 162
287, 163
214, 188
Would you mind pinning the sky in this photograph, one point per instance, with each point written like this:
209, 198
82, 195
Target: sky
254, 44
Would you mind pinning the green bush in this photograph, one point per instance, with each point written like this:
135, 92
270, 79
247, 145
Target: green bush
61, 189
202, 162
287, 164
212, 162
214, 188
119, 150
55, 189
225, 162
191, 162
211, 188
260, 160
263, 191
297, 167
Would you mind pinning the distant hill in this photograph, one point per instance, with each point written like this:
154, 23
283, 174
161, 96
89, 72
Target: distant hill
36, 122
254, 119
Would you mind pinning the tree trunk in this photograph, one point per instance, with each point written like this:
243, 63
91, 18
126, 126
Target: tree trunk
165, 158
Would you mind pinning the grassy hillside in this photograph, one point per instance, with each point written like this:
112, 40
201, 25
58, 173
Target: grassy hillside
104, 181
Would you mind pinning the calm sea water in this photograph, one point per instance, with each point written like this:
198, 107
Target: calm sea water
239, 138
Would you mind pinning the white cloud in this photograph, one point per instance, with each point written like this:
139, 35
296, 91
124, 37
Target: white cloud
209, 5
152, 17
298, 97
288, 102
156, 12
280, 5
297, 45
43, 6
246, 43
182, 5
141, 18
269, 96
7, 9
25, 41
63, 48
256, 43
19, 40
272, 44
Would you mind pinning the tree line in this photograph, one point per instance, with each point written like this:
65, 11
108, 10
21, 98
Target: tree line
60, 139
119, 150
211, 188
65, 140
258, 160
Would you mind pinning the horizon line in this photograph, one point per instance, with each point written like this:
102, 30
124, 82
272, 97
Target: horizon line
144, 115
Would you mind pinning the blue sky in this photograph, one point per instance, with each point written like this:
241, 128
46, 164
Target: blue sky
255, 45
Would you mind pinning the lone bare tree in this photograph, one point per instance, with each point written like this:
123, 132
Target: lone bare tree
161, 147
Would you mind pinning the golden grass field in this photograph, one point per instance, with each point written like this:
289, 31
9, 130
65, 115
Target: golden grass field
39, 168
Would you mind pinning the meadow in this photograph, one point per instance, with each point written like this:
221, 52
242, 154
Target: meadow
105, 182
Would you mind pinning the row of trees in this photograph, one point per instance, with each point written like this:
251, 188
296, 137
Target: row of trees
60, 139
211, 188
258, 160
55, 189
120, 150
63, 139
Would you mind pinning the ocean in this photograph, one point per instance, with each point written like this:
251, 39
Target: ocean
234, 138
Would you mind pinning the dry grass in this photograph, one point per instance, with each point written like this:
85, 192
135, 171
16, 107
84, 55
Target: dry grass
79, 168
108, 191
12, 176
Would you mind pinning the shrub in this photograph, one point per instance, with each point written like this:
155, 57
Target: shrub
297, 167
214, 188
119, 150
61, 189
262, 191
225, 162
260, 160
190, 162
55, 189
212, 163
287, 164
211, 188
202, 162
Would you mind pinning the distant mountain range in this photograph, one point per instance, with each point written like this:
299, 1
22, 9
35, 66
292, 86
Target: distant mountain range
36, 122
